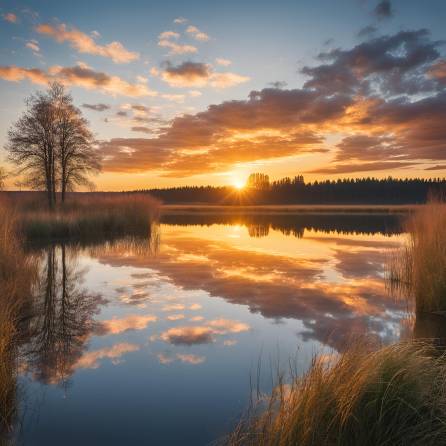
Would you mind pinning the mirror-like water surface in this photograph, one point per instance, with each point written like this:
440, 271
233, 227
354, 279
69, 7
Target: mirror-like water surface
155, 343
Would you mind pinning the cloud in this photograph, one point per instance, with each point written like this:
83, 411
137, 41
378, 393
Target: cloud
438, 71
90, 360
168, 35
187, 335
191, 359
176, 48
385, 99
165, 359
361, 167
196, 74
131, 322
197, 34
383, 9
33, 45
84, 43
437, 167
167, 39
223, 62
180, 20
97, 107
10, 17
79, 76
175, 317
202, 334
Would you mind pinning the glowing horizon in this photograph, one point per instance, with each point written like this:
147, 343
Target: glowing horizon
197, 95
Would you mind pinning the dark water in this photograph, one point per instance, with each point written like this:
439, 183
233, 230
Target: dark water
154, 342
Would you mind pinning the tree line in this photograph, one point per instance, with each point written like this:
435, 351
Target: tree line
51, 144
297, 191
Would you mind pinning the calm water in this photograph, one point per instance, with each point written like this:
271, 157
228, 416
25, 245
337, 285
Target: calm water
155, 342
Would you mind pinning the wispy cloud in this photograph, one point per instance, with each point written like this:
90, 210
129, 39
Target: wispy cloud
180, 20
79, 76
223, 62
84, 43
97, 107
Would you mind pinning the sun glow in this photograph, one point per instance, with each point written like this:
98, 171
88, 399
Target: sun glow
238, 184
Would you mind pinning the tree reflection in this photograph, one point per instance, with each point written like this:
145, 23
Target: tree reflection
63, 317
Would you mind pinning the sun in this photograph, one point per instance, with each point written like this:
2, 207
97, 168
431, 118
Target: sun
238, 184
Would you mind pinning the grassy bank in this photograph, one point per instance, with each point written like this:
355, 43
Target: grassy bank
418, 269
16, 277
395, 395
86, 216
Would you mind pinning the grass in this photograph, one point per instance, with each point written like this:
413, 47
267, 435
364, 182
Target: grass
16, 277
418, 269
87, 217
394, 395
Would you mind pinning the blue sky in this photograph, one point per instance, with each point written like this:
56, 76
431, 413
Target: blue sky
255, 43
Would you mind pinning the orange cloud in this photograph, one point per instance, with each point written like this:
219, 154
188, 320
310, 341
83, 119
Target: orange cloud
131, 322
188, 335
202, 334
175, 317
10, 17
195, 74
90, 360
83, 43
191, 359
174, 47
197, 34
79, 76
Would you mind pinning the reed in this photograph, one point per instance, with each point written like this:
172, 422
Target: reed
16, 277
89, 216
394, 395
418, 269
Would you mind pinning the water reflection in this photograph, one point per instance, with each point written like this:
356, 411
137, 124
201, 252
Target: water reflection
63, 318
162, 328
294, 224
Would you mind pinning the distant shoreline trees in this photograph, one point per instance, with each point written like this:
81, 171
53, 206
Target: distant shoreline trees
52, 145
297, 191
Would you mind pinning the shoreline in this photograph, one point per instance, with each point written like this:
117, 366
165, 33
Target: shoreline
180, 209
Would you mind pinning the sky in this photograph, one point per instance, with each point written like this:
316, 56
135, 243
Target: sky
198, 92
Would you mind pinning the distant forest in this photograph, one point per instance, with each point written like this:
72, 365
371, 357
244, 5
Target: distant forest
296, 191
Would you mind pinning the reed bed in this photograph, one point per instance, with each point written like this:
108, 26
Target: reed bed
16, 277
418, 269
86, 216
394, 395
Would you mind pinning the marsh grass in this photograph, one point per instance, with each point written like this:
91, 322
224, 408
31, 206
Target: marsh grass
16, 277
394, 395
418, 269
89, 217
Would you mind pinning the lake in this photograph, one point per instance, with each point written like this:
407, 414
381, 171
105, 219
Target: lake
160, 341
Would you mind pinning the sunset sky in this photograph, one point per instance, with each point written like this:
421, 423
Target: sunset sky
200, 92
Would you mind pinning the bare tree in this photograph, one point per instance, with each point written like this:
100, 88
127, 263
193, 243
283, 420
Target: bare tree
76, 156
31, 145
52, 145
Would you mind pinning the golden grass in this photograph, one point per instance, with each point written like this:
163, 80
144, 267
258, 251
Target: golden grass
16, 277
418, 269
90, 216
394, 395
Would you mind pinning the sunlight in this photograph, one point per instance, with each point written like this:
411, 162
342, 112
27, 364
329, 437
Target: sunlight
239, 184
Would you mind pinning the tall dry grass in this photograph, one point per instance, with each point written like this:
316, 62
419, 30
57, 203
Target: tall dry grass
16, 277
391, 396
418, 269
89, 216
